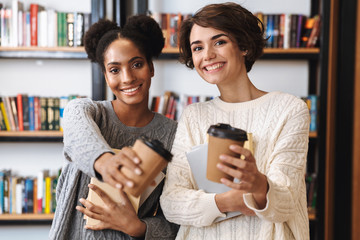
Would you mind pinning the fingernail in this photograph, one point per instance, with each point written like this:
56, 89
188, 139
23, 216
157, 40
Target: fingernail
90, 186
233, 147
136, 160
219, 165
222, 157
129, 184
138, 171
118, 185
81, 200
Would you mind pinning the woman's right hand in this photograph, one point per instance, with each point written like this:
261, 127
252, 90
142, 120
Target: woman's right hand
232, 201
109, 165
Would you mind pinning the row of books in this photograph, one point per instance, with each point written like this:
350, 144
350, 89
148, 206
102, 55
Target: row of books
32, 113
313, 105
290, 30
284, 30
170, 24
28, 194
171, 104
41, 27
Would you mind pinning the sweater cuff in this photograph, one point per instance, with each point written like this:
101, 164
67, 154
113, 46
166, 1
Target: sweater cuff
93, 172
212, 211
250, 201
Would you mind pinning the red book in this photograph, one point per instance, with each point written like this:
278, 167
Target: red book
20, 112
34, 9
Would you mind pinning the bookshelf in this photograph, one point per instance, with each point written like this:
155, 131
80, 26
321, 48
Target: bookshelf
43, 52
322, 82
40, 143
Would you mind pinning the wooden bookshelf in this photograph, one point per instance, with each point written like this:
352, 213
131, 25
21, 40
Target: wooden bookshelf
26, 217
31, 136
43, 52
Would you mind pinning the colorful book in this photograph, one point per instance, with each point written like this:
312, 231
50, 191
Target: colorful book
31, 114
4, 113
26, 112
34, 10
14, 112
29, 195
19, 101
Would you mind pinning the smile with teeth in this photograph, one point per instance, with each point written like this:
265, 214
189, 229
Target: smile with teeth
131, 89
214, 66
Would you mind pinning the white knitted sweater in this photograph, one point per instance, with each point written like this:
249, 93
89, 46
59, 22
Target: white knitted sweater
279, 123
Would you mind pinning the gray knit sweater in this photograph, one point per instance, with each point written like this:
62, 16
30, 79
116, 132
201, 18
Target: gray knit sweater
92, 128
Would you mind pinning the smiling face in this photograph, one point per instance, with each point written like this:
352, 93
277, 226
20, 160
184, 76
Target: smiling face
217, 58
127, 73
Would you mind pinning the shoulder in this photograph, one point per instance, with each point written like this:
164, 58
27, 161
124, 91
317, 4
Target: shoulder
288, 101
87, 103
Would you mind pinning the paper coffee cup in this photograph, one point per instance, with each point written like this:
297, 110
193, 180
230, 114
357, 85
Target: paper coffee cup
221, 136
154, 158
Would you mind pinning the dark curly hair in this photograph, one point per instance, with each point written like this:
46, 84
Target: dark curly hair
239, 23
142, 30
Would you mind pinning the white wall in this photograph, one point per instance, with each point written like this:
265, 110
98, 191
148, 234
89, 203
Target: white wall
59, 77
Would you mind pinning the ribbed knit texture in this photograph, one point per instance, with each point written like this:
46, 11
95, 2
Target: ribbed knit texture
92, 128
279, 123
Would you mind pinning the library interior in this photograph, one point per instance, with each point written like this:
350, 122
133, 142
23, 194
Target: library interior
312, 52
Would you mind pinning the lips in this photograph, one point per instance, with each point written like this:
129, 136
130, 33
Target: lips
130, 91
214, 66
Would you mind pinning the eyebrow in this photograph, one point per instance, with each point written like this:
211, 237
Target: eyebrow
212, 38
131, 60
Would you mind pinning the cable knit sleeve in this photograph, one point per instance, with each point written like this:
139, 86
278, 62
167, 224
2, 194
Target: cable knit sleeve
83, 141
180, 201
286, 166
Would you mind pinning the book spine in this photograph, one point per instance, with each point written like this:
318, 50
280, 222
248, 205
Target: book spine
313, 112
34, 24
43, 113
70, 29
40, 186
2, 122
56, 121
37, 110
26, 112
19, 196
15, 112
3, 111
47, 194
9, 113
31, 114
29, 194
20, 112
6, 191
63, 102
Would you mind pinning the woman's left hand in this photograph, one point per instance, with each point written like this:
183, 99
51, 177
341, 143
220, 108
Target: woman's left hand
117, 216
250, 179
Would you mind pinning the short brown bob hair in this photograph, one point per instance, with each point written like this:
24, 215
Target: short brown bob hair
242, 26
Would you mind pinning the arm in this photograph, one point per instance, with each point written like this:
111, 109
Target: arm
181, 203
86, 147
286, 168
83, 142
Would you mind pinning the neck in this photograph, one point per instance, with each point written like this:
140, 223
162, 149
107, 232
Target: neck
133, 115
240, 90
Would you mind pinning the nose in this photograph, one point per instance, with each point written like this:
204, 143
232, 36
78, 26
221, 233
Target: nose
209, 53
128, 76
